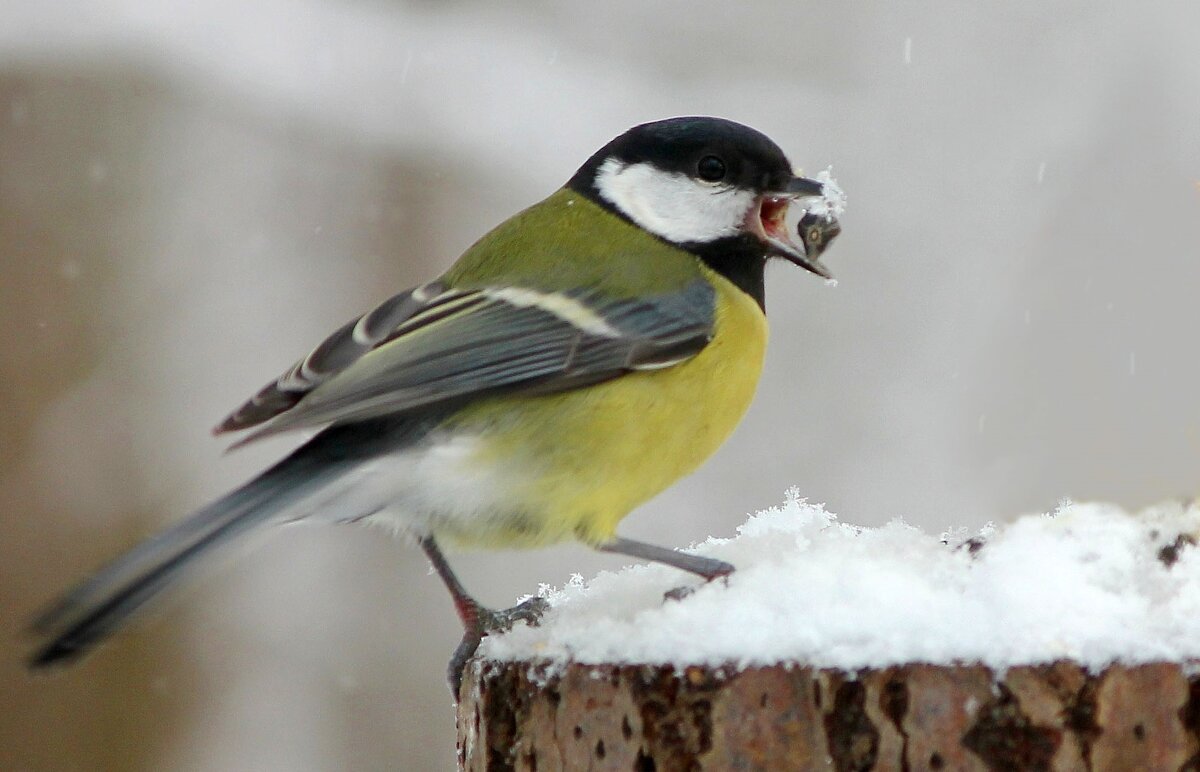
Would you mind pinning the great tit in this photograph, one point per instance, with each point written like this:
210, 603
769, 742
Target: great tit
573, 363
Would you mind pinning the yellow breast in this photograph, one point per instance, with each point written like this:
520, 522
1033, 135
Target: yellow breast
574, 464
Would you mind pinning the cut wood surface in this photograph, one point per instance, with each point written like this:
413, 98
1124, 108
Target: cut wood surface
523, 716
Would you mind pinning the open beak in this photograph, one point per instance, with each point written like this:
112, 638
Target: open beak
768, 220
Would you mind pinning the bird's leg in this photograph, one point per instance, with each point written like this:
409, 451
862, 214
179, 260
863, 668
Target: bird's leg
708, 568
477, 620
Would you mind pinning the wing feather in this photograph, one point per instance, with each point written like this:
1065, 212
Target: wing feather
430, 346
341, 349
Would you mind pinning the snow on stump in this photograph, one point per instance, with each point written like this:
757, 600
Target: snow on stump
1058, 642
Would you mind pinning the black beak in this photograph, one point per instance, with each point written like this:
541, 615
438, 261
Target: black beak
802, 187
769, 222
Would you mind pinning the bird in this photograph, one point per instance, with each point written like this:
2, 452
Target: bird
573, 363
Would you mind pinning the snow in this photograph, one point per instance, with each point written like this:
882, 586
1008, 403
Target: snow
832, 202
1088, 582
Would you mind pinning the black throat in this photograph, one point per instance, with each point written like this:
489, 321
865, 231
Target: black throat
740, 259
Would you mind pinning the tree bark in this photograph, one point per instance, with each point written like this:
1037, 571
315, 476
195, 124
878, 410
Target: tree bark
640, 718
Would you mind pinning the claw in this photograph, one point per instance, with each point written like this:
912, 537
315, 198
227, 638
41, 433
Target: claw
679, 593
488, 621
529, 611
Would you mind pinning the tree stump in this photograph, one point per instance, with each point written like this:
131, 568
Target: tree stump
638, 718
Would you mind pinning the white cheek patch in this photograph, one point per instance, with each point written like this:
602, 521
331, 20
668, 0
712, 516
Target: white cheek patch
673, 206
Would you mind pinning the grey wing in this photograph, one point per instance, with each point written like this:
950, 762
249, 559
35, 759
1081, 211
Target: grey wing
432, 346
334, 354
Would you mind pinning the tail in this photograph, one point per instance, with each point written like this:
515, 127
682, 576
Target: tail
97, 607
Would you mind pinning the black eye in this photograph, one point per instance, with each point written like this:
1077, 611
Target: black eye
711, 169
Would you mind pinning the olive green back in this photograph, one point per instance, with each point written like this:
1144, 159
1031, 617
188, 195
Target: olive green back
568, 242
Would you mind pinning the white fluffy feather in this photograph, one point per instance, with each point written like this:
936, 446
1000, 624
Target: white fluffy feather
674, 206
439, 483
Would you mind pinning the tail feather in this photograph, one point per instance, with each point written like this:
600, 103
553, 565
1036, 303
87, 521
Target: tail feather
101, 604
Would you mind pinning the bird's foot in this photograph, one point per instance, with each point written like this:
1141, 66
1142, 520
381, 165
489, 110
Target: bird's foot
485, 622
528, 611
718, 569
679, 593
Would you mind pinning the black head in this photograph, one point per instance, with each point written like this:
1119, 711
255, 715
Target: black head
713, 187
745, 158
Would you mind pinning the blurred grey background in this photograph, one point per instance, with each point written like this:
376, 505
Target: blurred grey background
192, 194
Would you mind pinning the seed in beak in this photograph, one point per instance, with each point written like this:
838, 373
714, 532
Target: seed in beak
817, 232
